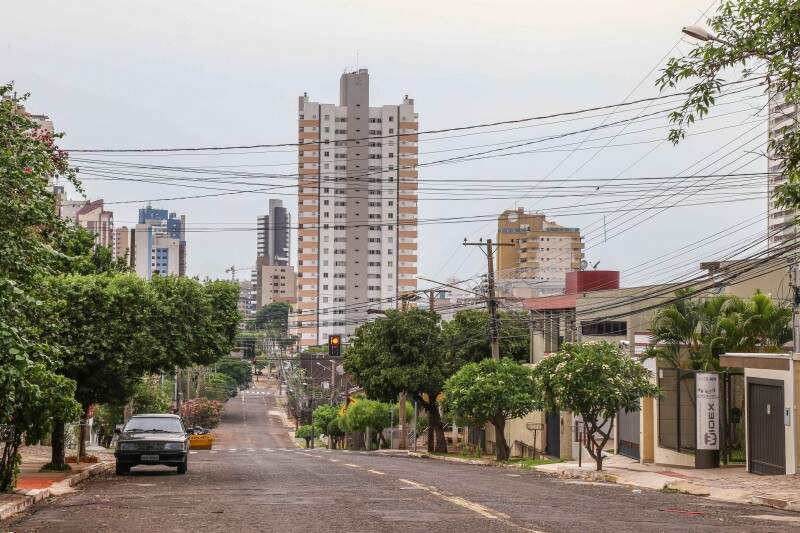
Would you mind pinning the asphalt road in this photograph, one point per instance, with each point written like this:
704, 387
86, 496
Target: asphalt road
255, 480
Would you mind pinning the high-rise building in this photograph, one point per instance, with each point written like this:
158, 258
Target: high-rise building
274, 283
542, 254
273, 234
159, 244
122, 243
781, 221
273, 279
357, 209
91, 216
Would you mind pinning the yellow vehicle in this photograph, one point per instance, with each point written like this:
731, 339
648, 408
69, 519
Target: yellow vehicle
201, 442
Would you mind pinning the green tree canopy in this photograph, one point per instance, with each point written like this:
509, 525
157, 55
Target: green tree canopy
467, 335
763, 33
694, 332
274, 316
239, 370
403, 352
32, 246
490, 391
595, 381
323, 416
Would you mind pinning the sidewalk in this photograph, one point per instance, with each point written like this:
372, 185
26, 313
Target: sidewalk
730, 484
34, 486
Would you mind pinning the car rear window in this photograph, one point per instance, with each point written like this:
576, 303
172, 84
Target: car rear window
154, 423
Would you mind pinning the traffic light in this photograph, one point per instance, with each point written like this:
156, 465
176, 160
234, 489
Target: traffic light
334, 345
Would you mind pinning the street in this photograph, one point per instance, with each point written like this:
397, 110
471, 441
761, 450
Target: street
256, 480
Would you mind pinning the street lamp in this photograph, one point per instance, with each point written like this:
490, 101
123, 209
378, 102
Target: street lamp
698, 32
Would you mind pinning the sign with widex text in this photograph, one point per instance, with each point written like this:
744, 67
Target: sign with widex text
708, 426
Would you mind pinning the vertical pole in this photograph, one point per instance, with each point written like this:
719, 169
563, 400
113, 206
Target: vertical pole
391, 429
793, 276
492, 301
415, 426
403, 426
312, 412
333, 381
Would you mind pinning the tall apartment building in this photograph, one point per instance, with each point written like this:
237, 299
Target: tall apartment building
273, 278
542, 254
780, 221
273, 234
159, 243
122, 243
92, 216
357, 209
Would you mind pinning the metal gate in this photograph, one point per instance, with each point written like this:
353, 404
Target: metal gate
767, 448
553, 443
628, 425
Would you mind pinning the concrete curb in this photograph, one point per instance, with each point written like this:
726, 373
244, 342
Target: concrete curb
683, 486
31, 497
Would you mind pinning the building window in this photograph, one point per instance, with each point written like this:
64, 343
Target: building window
613, 328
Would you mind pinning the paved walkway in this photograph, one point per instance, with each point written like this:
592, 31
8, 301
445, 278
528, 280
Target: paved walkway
733, 484
34, 486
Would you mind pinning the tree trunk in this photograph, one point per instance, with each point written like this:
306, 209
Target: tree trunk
83, 433
502, 451
8, 465
401, 409
57, 445
436, 439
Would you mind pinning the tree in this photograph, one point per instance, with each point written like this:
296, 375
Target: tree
467, 336
370, 414
323, 416
490, 391
105, 323
403, 352
32, 239
273, 316
305, 432
763, 32
694, 332
335, 431
595, 381
218, 386
239, 370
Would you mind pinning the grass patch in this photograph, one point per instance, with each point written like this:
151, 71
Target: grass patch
529, 462
669, 490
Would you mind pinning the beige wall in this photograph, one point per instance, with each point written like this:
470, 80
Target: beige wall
277, 284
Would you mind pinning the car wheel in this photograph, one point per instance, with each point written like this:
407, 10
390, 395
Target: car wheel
123, 468
183, 466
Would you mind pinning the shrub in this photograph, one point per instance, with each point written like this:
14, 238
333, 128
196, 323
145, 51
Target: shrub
201, 412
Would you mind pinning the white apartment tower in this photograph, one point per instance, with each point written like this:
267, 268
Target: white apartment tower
357, 209
781, 221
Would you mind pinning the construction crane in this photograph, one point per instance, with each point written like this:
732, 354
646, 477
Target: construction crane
234, 269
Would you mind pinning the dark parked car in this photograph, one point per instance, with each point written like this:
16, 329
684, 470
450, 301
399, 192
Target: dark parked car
152, 440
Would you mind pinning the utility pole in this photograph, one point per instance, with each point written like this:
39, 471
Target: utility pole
492, 301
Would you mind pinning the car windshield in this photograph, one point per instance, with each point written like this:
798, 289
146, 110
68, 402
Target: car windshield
154, 424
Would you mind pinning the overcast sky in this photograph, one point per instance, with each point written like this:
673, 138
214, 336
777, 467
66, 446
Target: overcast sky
210, 73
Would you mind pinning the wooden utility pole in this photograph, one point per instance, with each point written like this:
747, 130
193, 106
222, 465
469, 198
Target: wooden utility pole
494, 332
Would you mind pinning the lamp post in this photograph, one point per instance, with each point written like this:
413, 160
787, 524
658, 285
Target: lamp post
700, 33
311, 406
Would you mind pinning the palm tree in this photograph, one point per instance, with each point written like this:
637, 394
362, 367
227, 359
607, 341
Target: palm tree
709, 327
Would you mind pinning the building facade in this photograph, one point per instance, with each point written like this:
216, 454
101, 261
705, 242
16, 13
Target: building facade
273, 234
91, 216
541, 254
275, 283
122, 243
357, 209
159, 243
780, 221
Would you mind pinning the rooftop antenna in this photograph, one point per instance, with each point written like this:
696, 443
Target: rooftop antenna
356, 60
